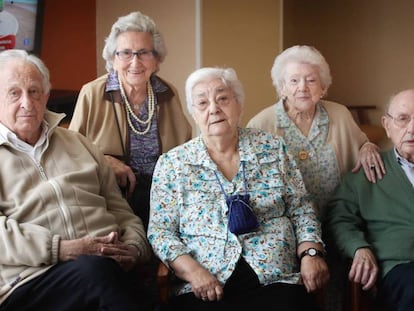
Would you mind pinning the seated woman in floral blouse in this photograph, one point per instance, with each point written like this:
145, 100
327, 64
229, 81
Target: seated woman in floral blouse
202, 189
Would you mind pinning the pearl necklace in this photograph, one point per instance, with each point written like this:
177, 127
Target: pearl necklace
130, 112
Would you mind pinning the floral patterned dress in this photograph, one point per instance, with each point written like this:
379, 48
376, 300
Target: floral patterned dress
189, 213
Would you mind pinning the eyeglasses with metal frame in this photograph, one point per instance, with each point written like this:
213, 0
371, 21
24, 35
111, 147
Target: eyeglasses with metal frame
128, 55
401, 120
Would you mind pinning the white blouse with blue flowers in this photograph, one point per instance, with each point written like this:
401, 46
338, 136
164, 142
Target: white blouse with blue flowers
189, 213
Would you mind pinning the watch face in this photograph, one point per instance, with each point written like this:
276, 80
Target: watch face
312, 252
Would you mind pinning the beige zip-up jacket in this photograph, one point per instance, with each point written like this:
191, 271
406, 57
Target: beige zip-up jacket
69, 194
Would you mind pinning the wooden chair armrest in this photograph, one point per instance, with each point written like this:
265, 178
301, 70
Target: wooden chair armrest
163, 282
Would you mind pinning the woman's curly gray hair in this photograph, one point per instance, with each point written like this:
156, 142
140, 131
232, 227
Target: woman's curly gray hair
135, 21
300, 54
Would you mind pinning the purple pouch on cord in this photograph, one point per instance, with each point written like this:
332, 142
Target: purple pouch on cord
241, 216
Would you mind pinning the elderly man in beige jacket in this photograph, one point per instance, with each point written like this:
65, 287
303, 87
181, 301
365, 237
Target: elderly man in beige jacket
69, 241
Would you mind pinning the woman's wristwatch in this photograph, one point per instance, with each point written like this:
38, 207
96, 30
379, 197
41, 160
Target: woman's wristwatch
312, 252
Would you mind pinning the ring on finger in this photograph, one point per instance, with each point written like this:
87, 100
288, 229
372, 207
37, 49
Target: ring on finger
372, 166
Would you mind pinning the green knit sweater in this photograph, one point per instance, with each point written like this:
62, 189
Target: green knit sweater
380, 216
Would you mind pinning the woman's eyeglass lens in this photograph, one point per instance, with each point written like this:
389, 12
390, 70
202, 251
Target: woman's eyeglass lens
128, 55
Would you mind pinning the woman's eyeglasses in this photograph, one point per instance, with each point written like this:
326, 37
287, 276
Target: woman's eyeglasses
128, 55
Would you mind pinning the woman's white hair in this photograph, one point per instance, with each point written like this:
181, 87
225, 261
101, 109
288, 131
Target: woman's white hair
135, 21
227, 75
300, 54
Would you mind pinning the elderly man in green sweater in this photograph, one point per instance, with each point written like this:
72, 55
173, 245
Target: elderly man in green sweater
374, 223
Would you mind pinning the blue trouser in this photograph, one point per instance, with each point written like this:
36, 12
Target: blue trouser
396, 290
244, 292
87, 283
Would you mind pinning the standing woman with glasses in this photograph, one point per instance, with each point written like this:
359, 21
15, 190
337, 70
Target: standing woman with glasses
131, 113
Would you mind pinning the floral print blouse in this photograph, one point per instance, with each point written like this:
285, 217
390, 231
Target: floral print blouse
315, 158
189, 213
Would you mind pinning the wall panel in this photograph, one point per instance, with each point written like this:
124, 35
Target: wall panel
245, 35
368, 45
69, 42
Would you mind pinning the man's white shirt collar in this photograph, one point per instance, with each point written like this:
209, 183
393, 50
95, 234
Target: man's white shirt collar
407, 166
35, 152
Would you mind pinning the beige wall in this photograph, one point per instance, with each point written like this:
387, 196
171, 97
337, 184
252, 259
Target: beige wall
368, 44
245, 35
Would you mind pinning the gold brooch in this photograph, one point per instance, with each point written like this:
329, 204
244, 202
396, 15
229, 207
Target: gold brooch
303, 155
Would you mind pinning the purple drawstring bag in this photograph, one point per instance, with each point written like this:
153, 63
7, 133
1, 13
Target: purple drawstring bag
241, 216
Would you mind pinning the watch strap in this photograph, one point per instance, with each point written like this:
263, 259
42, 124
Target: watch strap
317, 253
